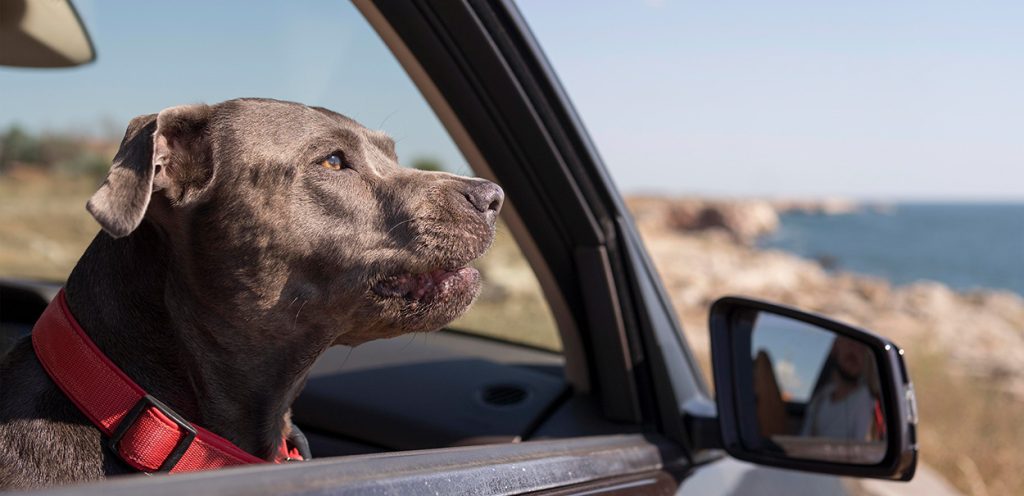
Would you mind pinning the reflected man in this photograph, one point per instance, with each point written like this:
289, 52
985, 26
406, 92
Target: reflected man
844, 407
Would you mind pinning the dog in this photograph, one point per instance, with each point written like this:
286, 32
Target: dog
239, 241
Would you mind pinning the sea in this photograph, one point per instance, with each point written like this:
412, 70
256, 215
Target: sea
966, 246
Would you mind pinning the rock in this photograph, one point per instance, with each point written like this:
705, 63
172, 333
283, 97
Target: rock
827, 206
744, 220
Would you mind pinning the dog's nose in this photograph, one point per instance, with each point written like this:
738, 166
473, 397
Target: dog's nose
486, 197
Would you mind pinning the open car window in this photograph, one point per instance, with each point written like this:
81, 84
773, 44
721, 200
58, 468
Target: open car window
60, 128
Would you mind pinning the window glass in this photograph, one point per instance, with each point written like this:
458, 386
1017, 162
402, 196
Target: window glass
59, 128
860, 159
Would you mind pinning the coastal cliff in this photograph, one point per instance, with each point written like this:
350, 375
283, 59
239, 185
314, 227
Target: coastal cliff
703, 249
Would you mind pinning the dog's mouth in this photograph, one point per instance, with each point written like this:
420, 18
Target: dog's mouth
428, 287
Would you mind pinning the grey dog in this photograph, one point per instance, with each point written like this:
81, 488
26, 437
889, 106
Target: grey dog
240, 240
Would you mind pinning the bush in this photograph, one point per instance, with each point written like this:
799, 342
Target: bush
427, 164
17, 146
68, 154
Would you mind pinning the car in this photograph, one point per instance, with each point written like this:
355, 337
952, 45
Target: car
623, 407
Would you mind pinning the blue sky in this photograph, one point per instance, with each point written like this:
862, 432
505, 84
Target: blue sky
797, 351
869, 99
866, 98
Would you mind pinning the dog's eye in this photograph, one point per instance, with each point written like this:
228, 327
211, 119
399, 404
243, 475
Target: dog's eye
333, 162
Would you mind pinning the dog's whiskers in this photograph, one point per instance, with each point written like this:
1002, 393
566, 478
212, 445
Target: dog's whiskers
347, 355
381, 125
295, 322
407, 343
399, 224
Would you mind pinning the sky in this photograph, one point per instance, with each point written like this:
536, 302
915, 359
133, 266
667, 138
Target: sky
869, 99
797, 351
173, 53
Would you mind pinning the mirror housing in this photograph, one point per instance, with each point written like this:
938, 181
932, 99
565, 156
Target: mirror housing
37, 33
732, 326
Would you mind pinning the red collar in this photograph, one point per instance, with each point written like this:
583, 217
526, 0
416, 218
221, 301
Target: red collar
144, 432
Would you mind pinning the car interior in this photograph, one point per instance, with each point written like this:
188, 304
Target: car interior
468, 384
450, 388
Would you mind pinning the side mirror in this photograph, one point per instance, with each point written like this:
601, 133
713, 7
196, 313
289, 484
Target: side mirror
799, 391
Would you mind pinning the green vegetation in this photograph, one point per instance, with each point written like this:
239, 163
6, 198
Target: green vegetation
17, 146
427, 164
54, 152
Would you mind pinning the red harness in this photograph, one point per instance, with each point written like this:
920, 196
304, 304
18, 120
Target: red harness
144, 432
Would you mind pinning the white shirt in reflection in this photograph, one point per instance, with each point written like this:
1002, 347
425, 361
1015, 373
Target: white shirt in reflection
847, 418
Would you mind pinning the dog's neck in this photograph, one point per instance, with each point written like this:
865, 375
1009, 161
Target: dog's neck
131, 301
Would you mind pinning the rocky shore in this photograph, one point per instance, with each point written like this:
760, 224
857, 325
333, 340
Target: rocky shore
743, 220
703, 249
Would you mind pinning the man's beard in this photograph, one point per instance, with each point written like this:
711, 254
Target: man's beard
846, 376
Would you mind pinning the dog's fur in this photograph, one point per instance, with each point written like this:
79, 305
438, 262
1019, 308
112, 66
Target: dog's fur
230, 259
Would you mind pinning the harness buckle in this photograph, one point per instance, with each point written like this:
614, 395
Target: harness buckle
132, 416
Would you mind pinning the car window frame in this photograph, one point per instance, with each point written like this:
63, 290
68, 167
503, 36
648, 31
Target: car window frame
481, 73
476, 53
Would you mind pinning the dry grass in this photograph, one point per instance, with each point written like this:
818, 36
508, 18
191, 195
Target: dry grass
511, 306
970, 430
44, 226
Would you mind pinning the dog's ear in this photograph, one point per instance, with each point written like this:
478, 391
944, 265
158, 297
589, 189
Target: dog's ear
181, 152
166, 151
121, 201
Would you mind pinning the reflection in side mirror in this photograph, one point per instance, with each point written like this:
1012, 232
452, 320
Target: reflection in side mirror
817, 393
800, 391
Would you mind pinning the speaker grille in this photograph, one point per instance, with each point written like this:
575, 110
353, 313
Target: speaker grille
503, 395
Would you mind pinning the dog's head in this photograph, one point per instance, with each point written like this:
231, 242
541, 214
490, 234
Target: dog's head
298, 218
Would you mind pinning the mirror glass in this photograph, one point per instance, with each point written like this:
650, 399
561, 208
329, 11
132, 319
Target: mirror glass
817, 393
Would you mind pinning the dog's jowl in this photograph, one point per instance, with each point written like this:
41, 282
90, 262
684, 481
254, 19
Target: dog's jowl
239, 241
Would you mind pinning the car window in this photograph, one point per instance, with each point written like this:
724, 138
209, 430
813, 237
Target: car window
60, 127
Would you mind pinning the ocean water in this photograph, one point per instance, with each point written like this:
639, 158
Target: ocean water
966, 246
